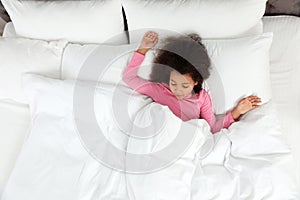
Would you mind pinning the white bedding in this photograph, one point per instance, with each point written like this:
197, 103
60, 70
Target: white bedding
71, 169
285, 67
251, 159
15, 123
59, 161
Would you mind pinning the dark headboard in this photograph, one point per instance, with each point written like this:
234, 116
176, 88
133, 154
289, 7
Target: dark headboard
3, 13
283, 7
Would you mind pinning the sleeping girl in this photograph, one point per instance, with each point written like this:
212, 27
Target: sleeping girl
179, 69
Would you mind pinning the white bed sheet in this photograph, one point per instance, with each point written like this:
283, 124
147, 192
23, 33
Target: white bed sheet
15, 123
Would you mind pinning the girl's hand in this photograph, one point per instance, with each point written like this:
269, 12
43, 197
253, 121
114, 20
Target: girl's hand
244, 105
149, 40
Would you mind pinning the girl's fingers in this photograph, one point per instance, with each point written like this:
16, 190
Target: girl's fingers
253, 99
151, 34
152, 38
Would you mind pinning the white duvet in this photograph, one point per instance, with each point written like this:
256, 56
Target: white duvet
248, 161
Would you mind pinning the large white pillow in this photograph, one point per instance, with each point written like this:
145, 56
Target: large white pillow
19, 55
211, 19
109, 59
89, 21
240, 67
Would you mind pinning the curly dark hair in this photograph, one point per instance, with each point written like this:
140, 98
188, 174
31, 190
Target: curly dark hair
185, 54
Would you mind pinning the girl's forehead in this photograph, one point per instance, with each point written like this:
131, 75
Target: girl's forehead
178, 77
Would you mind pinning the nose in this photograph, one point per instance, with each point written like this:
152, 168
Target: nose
178, 91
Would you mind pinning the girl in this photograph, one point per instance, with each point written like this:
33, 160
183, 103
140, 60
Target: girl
177, 83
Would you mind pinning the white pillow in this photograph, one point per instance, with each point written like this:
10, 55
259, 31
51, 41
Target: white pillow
19, 55
240, 67
109, 58
255, 30
211, 19
75, 21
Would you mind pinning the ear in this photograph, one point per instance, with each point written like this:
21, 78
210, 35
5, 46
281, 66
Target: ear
196, 83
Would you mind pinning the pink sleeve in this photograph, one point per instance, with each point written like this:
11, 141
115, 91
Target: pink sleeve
131, 78
206, 112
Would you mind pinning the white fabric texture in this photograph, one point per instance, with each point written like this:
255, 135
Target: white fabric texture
19, 55
75, 21
210, 19
285, 70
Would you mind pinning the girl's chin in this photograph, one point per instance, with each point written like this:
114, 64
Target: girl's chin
180, 97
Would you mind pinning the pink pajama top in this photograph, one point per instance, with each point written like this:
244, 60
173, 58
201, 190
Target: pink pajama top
193, 106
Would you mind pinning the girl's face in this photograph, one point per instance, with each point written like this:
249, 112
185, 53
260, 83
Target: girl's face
181, 84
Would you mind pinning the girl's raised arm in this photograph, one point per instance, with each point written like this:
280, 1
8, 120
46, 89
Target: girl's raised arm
130, 74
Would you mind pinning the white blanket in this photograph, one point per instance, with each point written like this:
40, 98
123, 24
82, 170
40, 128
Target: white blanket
249, 160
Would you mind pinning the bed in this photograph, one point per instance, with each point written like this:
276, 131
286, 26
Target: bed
51, 148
